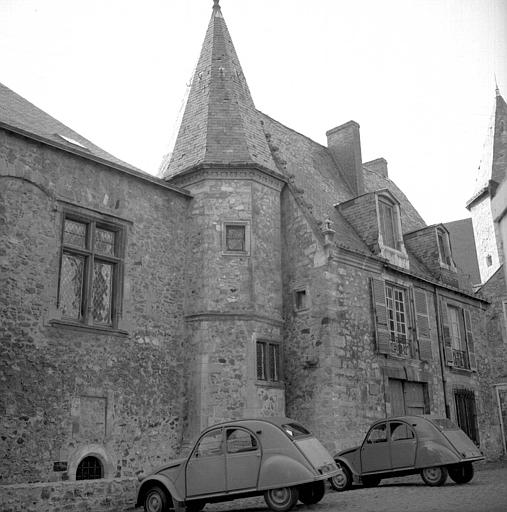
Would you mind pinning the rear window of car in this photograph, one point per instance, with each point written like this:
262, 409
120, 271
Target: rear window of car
295, 430
445, 424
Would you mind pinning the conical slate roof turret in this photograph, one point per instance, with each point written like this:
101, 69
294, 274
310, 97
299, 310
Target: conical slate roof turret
220, 124
493, 166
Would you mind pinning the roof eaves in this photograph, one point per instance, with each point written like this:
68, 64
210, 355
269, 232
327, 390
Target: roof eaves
478, 195
86, 155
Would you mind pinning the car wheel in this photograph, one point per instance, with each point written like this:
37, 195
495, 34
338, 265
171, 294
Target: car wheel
434, 476
282, 499
312, 493
342, 481
370, 481
156, 500
463, 473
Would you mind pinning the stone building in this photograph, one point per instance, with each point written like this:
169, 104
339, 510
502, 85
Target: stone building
264, 274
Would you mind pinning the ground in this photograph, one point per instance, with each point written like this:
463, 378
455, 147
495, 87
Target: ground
487, 492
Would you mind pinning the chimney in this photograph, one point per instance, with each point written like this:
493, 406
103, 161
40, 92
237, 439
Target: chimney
344, 143
379, 166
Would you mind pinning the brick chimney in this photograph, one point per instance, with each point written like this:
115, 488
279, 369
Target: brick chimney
344, 143
378, 165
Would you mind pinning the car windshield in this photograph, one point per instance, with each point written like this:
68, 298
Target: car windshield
295, 430
445, 424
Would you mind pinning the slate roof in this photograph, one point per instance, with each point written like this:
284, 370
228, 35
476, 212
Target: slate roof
464, 252
220, 124
21, 116
494, 155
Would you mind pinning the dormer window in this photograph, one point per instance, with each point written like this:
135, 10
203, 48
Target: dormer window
388, 222
444, 247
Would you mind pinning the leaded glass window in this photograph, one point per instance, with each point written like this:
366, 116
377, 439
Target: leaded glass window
90, 271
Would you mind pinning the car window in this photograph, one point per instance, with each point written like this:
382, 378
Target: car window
295, 430
378, 434
400, 431
210, 444
240, 441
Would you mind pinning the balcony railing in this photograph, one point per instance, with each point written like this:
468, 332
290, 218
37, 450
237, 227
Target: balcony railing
400, 346
460, 359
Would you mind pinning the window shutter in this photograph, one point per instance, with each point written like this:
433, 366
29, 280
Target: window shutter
446, 333
422, 324
381, 326
470, 340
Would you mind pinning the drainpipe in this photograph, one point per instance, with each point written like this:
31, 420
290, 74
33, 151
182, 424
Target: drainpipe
497, 388
441, 341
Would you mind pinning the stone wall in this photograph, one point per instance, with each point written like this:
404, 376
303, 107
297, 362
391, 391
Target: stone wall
117, 495
69, 390
485, 238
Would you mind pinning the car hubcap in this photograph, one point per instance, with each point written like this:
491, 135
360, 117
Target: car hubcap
153, 503
280, 496
340, 480
432, 474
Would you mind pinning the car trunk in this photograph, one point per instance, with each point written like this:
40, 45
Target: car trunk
462, 443
318, 456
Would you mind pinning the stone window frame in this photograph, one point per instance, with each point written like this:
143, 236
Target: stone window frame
228, 252
268, 381
297, 291
93, 219
394, 334
90, 450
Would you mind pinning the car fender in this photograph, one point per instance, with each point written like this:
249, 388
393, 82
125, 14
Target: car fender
283, 471
161, 480
431, 453
342, 461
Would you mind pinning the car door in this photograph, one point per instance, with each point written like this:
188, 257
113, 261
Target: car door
403, 443
375, 450
243, 459
205, 471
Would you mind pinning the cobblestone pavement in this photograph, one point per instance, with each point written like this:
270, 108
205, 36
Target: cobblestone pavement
487, 492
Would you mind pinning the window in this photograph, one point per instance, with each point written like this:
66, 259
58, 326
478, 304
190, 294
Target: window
489, 260
90, 468
240, 441
444, 247
400, 431
388, 223
90, 272
210, 444
268, 361
457, 334
378, 434
236, 238
397, 320
301, 300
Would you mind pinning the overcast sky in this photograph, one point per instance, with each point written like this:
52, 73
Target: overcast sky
417, 75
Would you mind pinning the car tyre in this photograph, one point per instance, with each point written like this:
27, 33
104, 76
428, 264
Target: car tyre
281, 499
463, 473
342, 481
370, 481
156, 499
312, 493
434, 476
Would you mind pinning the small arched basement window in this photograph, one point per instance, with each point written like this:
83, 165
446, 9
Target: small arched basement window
90, 468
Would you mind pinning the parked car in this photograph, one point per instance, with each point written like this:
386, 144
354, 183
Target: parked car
276, 457
406, 445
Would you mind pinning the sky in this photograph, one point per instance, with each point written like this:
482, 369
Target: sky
417, 75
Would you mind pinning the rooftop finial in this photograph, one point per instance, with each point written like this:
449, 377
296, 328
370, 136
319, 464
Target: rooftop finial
216, 5
497, 90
